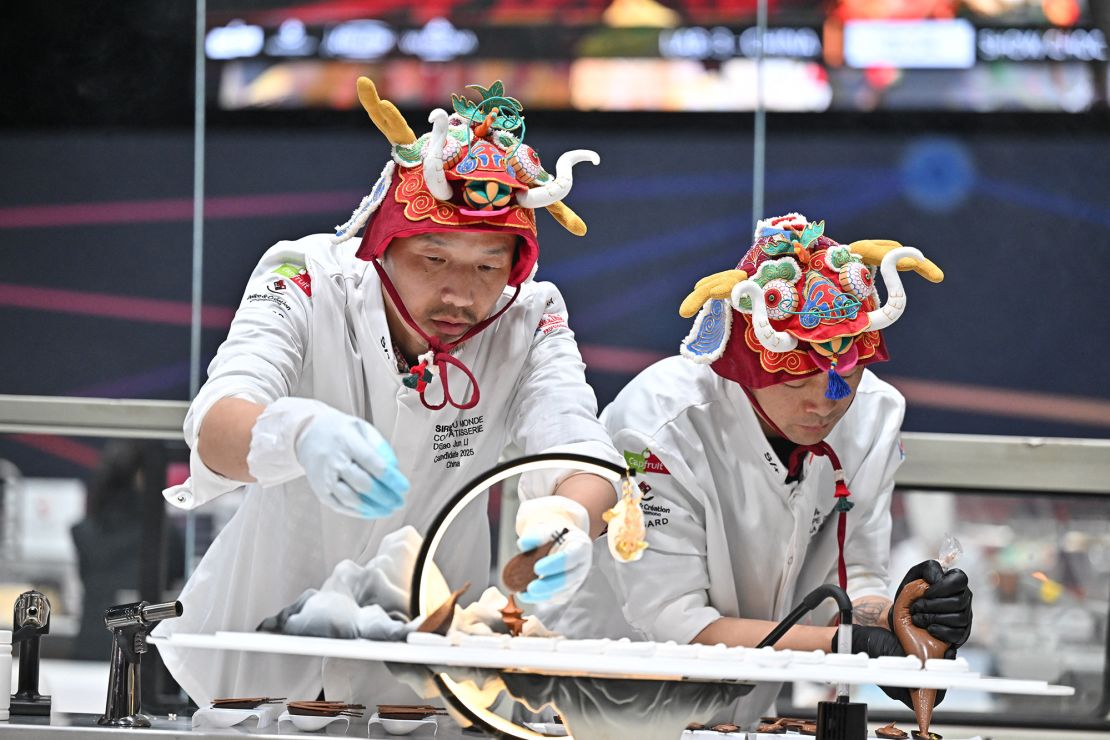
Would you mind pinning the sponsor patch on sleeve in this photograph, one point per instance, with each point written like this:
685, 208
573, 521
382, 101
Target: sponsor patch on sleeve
645, 462
549, 322
297, 275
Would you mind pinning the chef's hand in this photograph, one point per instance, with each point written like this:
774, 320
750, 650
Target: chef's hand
349, 465
563, 570
878, 642
945, 608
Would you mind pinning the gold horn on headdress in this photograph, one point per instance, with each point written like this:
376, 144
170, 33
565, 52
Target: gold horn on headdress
873, 250
717, 286
570, 220
384, 114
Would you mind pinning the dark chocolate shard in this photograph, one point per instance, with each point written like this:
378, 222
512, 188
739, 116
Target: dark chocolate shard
518, 572
325, 709
439, 621
245, 703
408, 711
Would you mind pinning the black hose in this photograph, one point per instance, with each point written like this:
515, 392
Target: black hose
809, 603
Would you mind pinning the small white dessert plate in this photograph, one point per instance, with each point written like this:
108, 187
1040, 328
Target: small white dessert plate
402, 726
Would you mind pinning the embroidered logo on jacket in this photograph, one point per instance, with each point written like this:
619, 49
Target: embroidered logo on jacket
549, 322
298, 275
645, 462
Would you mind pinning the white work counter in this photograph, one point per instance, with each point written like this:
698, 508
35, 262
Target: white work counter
84, 727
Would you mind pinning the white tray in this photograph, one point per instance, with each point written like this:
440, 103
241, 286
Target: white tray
601, 660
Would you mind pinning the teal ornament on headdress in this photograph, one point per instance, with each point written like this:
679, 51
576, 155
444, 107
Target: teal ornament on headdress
812, 231
509, 109
508, 116
826, 302
487, 194
782, 244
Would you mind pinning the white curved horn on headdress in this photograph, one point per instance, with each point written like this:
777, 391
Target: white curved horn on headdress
891, 311
768, 336
557, 189
434, 175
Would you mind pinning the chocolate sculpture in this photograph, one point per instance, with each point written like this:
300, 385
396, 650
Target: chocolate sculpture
518, 572
890, 732
917, 641
439, 621
512, 615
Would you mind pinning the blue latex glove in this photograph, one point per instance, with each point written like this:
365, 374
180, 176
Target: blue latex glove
349, 466
564, 569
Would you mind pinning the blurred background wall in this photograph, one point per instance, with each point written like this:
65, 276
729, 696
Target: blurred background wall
976, 131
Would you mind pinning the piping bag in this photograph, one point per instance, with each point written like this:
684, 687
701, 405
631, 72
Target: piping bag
917, 641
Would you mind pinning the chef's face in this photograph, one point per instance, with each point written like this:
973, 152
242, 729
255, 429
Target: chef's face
799, 407
448, 281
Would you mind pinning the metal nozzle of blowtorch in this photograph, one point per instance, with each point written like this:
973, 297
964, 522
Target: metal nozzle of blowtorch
140, 613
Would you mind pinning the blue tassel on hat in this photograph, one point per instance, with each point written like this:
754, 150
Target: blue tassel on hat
837, 387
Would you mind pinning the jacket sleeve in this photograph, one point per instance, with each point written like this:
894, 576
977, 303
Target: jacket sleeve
665, 594
261, 360
554, 409
867, 540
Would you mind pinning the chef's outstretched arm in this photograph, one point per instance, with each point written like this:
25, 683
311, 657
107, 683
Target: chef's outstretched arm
594, 493
349, 466
555, 410
736, 632
225, 437
246, 426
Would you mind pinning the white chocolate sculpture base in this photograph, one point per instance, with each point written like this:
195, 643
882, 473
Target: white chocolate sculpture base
629, 660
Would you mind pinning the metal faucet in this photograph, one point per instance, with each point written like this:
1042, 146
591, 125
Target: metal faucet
31, 621
130, 625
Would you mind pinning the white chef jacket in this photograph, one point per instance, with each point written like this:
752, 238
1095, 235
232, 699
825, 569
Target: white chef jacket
335, 346
727, 535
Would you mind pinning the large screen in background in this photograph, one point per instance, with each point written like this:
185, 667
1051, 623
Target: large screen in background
666, 55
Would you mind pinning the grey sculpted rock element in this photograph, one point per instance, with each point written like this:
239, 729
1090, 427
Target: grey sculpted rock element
367, 601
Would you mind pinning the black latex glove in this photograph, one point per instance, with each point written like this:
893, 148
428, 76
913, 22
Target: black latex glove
945, 609
877, 642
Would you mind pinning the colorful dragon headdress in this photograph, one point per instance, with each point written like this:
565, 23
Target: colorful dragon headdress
471, 172
799, 303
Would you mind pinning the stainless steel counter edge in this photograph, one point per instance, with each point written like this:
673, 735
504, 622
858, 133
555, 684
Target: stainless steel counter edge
84, 727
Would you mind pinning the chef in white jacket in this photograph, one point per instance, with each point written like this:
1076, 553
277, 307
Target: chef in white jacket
362, 384
752, 454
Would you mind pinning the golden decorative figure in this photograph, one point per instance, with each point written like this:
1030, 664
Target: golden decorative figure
626, 524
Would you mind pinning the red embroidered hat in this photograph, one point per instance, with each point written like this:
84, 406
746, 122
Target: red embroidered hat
799, 303
471, 172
